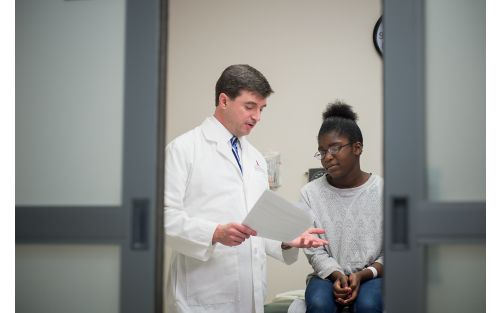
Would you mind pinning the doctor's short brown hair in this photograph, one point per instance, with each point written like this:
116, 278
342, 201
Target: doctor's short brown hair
238, 77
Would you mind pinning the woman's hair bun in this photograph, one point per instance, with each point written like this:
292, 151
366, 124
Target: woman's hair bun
340, 110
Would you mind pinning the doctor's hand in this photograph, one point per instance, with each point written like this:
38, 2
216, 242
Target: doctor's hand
232, 234
308, 239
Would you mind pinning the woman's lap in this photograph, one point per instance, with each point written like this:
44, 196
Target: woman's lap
319, 297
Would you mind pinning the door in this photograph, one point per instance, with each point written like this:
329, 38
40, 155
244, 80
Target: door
89, 155
435, 170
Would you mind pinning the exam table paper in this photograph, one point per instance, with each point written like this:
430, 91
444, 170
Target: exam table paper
275, 218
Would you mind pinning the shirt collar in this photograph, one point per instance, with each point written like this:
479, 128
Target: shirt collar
219, 131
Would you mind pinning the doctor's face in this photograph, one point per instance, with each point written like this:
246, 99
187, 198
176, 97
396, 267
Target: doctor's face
241, 114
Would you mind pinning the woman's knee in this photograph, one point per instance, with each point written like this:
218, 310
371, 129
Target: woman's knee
319, 296
318, 304
367, 305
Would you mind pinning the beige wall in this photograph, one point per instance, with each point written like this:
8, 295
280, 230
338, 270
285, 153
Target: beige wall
312, 52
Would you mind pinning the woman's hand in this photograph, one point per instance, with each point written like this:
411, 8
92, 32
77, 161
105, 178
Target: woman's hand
341, 289
354, 282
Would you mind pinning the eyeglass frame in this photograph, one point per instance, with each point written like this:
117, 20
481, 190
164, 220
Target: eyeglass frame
336, 149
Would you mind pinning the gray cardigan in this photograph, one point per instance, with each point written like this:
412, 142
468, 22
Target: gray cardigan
353, 220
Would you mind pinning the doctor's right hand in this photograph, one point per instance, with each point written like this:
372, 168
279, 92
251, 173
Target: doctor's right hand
232, 234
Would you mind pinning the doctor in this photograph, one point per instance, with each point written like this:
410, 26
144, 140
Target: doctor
213, 178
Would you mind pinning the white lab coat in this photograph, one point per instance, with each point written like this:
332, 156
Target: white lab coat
204, 187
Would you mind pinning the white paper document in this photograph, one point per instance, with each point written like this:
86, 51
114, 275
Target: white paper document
276, 218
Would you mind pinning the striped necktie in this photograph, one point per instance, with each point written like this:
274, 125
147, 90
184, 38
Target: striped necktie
234, 145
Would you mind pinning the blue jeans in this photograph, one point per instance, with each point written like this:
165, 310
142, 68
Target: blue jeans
319, 297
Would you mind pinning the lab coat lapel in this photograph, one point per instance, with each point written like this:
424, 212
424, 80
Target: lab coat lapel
245, 155
217, 136
254, 177
224, 149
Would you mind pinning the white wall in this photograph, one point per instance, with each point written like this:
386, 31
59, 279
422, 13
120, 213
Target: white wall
312, 52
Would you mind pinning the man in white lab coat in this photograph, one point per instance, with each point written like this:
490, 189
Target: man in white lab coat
213, 178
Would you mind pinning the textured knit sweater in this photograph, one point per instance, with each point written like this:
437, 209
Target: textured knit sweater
352, 219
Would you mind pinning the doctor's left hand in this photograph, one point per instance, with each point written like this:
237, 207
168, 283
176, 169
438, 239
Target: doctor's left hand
308, 239
232, 234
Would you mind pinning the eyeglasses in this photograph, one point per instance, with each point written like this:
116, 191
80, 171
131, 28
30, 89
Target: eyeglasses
320, 155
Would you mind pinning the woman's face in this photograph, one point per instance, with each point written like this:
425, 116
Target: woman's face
345, 157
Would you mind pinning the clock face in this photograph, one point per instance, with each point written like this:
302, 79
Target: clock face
378, 36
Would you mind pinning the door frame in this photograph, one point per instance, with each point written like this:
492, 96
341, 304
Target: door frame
411, 221
137, 225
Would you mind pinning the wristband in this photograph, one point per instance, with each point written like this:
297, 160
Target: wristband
374, 271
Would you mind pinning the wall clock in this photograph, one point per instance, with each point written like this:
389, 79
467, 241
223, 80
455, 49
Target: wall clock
378, 36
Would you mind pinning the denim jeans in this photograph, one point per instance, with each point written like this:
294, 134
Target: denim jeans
319, 297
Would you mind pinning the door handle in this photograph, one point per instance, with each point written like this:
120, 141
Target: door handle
140, 223
399, 223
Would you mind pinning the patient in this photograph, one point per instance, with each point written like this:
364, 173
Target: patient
347, 203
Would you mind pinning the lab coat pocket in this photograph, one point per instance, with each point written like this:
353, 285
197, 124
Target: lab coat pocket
214, 281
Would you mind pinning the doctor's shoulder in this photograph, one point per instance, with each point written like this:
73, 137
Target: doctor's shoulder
183, 145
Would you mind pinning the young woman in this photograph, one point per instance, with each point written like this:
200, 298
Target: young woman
347, 203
